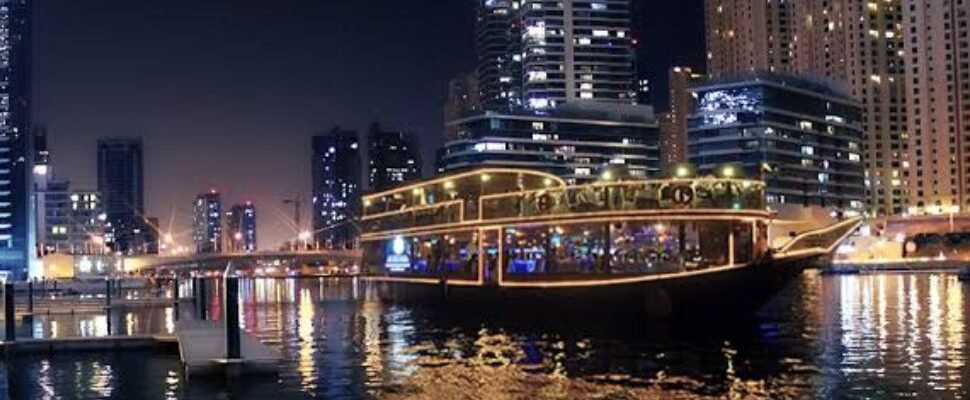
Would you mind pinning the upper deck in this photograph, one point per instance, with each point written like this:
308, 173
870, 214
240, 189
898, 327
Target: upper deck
508, 196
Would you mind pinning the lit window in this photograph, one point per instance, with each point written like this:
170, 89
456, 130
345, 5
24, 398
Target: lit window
600, 33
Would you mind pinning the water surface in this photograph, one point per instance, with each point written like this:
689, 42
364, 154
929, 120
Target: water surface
865, 336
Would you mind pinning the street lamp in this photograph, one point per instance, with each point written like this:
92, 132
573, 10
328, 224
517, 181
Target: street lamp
238, 237
305, 237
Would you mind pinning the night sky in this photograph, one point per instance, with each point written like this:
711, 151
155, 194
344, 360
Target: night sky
226, 93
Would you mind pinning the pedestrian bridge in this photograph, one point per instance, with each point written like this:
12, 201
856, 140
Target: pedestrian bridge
151, 263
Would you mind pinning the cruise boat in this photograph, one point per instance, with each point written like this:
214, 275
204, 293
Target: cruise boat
520, 239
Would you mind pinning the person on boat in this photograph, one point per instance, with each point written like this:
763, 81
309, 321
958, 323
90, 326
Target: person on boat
469, 267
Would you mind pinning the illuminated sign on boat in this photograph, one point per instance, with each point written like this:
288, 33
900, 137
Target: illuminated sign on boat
397, 260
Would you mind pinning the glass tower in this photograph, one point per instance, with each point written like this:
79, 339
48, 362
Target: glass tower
16, 242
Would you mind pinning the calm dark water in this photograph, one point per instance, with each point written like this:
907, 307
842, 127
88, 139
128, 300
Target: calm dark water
868, 336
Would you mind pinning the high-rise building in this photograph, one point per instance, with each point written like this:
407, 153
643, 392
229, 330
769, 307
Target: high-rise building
498, 44
861, 43
542, 53
121, 184
336, 188
576, 141
463, 99
673, 123
392, 158
241, 228
576, 49
857, 42
749, 35
54, 222
16, 222
938, 103
803, 137
207, 223
146, 236
85, 228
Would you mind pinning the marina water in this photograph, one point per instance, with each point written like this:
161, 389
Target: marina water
856, 336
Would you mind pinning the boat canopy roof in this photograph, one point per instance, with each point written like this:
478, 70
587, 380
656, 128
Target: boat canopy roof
466, 185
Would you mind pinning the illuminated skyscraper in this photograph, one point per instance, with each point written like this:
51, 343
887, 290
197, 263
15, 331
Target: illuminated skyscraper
938, 103
336, 188
463, 99
859, 43
122, 186
16, 223
499, 54
241, 228
543, 53
575, 141
803, 137
392, 158
673, 123
207, 223
748, 35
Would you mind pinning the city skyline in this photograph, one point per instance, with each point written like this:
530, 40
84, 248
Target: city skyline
184, 92
305, 198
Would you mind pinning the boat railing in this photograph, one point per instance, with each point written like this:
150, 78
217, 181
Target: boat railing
727, 194
625, 196
448, 212
823, 240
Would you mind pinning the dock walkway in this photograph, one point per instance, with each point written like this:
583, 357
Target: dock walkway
202, 349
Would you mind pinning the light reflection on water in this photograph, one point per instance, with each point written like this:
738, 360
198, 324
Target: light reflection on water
872, 336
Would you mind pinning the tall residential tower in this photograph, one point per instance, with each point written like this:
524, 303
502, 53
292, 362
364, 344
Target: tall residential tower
336, 188
858, 43
207, 223
544, 53
16, 231
938, 100
241, 228
392, 158
121, 183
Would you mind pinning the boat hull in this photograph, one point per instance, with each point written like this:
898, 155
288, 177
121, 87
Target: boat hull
741, 289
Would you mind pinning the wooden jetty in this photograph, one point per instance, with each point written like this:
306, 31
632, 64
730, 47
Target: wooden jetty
202, 348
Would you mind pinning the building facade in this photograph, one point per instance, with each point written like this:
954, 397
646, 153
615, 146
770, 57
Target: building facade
121, 183
748, 35
392, 158
860, 43
804, 138
336, 188
938, 100
463, 99
207, 223
53, 233
673, 123
17, 233
498, 45
85, 229
241, 228
575, 141
542, 53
